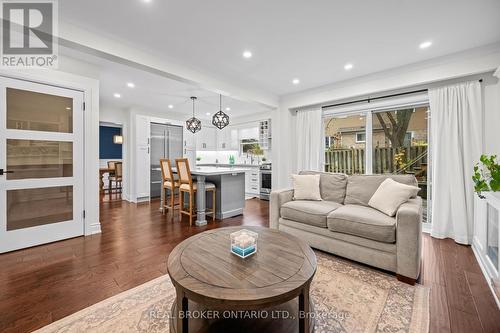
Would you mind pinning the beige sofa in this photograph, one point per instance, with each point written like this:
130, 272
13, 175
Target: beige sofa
344, 224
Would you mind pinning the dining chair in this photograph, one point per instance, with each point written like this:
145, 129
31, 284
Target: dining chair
168, 183
186, 185
116, 177
111, 167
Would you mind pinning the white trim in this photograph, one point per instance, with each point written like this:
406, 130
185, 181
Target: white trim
90, 89
369, 143
360, 141
93, 229
39, 135
18, 184
388, 104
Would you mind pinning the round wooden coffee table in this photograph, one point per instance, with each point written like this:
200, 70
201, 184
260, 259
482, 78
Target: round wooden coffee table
217, 290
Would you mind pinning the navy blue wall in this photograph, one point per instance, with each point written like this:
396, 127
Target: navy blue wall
107, 149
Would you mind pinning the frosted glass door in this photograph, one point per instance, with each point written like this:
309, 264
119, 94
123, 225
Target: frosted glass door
41, 164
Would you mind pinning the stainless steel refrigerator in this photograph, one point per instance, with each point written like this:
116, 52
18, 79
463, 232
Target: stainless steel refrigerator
166, 142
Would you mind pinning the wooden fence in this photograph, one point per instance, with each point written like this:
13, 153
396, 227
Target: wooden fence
352, 161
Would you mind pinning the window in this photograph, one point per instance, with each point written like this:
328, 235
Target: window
361, 137
328, 141
345, 153
249, 145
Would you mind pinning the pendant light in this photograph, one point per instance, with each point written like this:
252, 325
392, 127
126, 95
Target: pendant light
193, 124
220, 119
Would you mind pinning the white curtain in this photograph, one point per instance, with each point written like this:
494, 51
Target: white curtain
309, 140
456, 121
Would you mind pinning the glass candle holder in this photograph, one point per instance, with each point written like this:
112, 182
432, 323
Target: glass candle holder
244, 243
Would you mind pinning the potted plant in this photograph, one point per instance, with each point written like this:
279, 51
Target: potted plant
486, 175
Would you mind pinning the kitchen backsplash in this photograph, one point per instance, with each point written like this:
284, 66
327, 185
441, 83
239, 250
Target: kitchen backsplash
223, 157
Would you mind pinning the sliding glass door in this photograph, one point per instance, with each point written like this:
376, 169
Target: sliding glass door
390, 141
345, 142
400, 145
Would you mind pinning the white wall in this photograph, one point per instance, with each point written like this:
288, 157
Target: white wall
421, 75
492, 118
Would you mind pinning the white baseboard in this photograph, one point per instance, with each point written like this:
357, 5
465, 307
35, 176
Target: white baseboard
95, 228
485, 272
426, 228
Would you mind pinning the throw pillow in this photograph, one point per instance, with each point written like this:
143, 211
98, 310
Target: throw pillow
306, 187
390, 195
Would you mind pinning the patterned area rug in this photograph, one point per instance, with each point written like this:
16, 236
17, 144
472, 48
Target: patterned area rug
347, 297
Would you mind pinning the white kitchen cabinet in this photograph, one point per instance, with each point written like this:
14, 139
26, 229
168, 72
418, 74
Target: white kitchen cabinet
227, 139
234, 143
252, 181
189, 146
249, 133
206, 139
142, 130
142, 158
265, 134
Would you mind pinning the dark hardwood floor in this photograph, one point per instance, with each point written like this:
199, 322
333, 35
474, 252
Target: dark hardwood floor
46, 283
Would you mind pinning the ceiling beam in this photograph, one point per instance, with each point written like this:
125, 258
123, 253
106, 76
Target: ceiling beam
111, 49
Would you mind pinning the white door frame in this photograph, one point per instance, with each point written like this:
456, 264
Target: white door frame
90, 89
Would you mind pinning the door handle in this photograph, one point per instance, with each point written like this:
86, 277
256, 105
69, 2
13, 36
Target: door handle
2, 171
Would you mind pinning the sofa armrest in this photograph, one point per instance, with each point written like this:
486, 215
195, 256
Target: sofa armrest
409, 238
278, 198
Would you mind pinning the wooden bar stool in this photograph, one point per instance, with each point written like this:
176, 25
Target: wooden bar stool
168, 183
188, 186
116, 177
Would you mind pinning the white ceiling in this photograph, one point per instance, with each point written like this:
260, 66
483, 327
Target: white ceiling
155, 92
311, 40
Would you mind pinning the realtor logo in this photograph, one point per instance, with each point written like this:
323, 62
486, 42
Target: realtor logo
28, 33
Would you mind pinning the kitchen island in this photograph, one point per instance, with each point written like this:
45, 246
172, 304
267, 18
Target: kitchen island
230, 194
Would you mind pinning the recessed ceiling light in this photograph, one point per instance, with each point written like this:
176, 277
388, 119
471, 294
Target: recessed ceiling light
247, 54
146, 1
130, 85
295, 81
425, 45
117, 95
170, 106
228, 109
68, 108
208, 113
348, 67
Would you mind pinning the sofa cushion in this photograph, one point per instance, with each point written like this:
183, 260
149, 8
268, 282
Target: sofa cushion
308, 212
390, 195
363, 221
361, 241
360, 188
331, 185
306, 187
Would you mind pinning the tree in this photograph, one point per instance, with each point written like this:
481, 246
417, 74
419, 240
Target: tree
396, 129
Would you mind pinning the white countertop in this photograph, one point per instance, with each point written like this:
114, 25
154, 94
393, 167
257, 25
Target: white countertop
214, 171
229, 165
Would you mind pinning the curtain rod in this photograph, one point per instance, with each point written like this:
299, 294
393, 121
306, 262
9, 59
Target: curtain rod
368, 100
